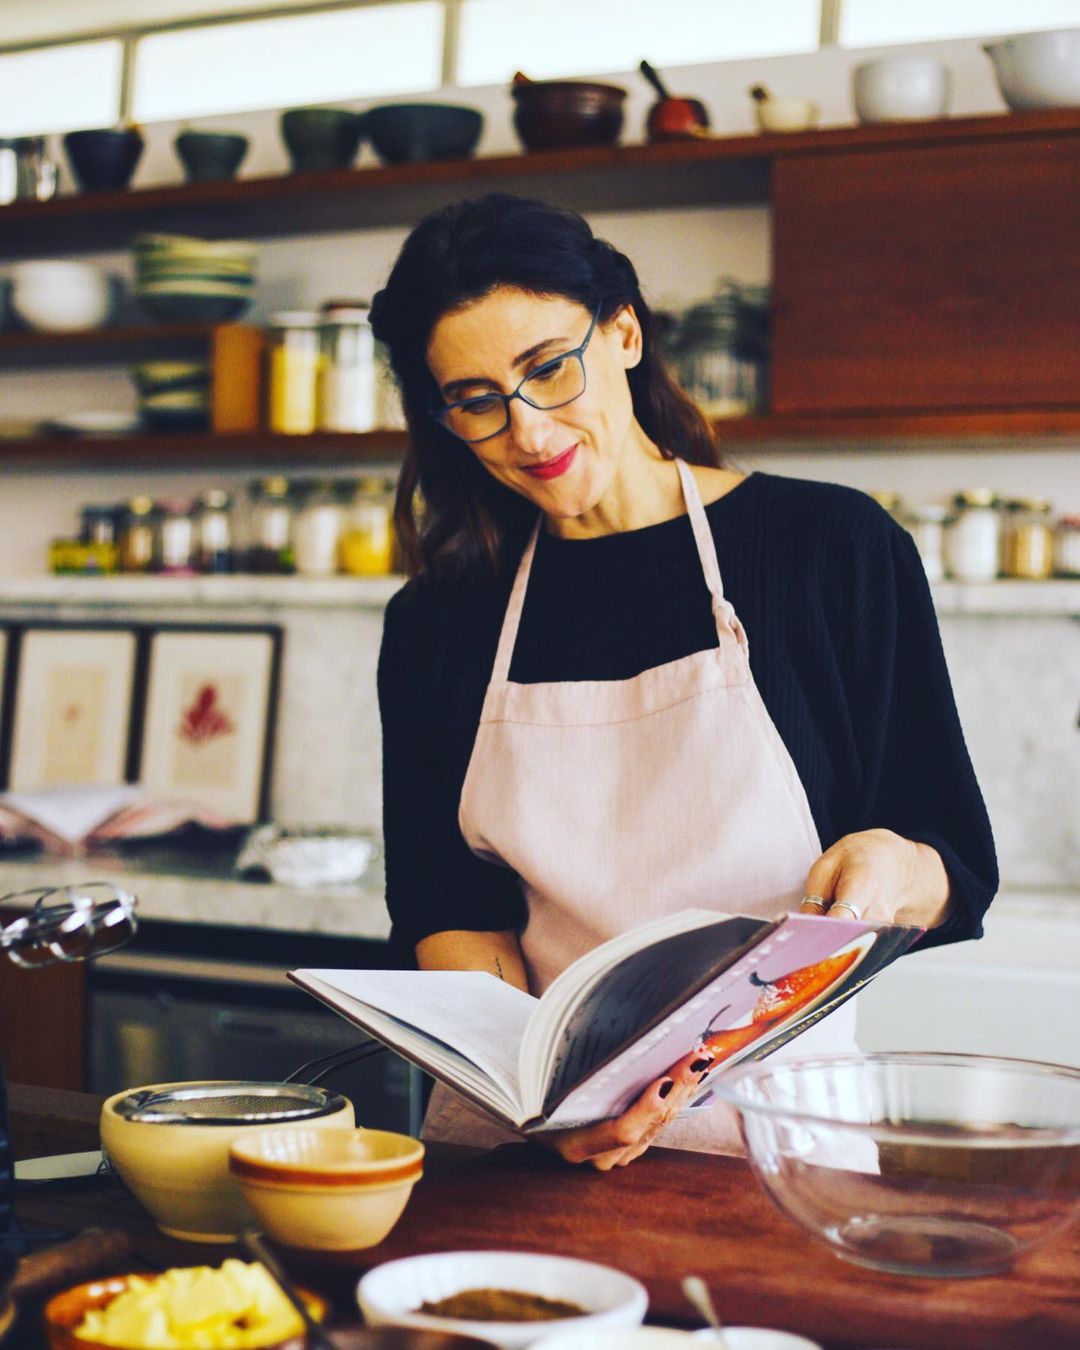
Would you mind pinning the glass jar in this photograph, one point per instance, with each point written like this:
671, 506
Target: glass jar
137, 536
927, 527
973, 536
347, 370
1067, 547
293, 373
99, 525
706, 357
367, 543
175, 538
38, 175
271, 548
213, 532
1028, 545
318, 532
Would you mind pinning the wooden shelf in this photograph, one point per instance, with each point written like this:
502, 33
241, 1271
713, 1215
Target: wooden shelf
719, 170
101, 346
1005, 427
203, 450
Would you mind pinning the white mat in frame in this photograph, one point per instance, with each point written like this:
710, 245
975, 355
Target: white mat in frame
72, 707
207, 719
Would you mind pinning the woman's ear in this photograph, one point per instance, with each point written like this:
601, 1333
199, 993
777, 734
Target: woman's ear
626, 329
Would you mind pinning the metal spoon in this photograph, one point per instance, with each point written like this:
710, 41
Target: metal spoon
317, 1339
696, 1290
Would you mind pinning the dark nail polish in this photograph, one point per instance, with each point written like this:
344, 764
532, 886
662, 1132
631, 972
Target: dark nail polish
665, 1087
700, 1064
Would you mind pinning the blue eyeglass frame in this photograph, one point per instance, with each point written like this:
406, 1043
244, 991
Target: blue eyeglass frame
438, 414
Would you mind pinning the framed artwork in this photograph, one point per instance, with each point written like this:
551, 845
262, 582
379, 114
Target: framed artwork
71, 715
208, 719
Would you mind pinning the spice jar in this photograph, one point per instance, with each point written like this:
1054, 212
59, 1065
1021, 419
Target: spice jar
973, 536
347, 370
1028, 550
707, 360
99, 525
293, 372
318, 530
213, 531
271, 550
927, 527
175, 538
367, 544
137, 536
1067, 547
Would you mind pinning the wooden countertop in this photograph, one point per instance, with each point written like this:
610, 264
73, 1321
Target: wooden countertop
667, 1215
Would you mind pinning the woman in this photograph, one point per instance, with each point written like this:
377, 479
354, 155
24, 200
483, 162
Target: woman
627, 681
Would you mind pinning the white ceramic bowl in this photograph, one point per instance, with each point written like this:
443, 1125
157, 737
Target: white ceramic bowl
1038, 70
901, 89
60, 297
660, 1338
786, 114
180, 1172
327, 1190
389, 1294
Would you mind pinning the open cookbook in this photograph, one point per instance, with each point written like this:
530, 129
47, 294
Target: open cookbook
621, 1015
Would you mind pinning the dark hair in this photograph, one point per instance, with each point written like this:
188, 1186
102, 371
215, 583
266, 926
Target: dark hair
452, 516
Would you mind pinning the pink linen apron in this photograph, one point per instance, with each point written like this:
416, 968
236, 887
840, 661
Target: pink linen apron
618, 801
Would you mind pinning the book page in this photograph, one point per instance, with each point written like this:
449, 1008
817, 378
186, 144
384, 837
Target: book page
629, 999
474, 1015
803, 969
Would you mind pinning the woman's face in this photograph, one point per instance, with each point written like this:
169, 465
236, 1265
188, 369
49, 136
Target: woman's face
563, 459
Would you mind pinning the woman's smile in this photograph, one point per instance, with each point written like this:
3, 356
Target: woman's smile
553, 468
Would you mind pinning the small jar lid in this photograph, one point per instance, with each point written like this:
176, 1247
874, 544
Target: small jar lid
175, 506
976, 497
1036, 505
931, 513
889, 501
1069, 523
217, 499
345, 314
275, 486
140, 506
295, 318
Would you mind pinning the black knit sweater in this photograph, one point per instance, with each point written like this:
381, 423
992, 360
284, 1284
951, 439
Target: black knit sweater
844, 648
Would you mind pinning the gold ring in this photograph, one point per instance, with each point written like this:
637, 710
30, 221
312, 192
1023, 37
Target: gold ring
818, 901
856, 912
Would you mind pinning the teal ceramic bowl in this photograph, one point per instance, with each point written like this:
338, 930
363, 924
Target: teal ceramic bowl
411, 132
210, 156
322, 138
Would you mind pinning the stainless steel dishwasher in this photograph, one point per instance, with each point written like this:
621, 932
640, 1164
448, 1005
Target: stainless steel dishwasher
187, 1001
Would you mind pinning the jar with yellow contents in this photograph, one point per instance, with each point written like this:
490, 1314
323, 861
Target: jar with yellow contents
367, 543
1029, 539
294, 359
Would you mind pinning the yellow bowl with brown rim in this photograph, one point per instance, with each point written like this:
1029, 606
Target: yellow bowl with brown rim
328, 1190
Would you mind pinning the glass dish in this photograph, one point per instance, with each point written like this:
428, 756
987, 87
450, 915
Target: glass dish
915, 1163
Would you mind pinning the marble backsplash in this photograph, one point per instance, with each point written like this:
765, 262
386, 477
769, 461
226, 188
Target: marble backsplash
1016, 677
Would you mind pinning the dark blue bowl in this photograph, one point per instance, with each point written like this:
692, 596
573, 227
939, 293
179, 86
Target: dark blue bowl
408, 132
103, 159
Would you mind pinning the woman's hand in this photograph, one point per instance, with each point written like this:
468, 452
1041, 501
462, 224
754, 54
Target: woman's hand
614, 1143
880, 876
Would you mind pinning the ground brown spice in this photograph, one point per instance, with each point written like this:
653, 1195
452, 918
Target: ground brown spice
500, 1305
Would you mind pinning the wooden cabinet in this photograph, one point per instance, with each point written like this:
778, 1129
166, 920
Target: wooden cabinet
42, 1023
915, 279
926, 284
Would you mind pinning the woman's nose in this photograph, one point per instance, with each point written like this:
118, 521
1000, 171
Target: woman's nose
530, 428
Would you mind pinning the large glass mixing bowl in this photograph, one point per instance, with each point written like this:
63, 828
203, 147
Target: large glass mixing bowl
915, 1163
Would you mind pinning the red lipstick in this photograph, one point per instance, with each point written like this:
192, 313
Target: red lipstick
553, 468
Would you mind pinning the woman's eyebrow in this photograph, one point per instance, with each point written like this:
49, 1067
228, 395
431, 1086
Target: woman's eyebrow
456, 386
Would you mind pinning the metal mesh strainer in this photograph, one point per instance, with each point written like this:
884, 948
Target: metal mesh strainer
228, 1103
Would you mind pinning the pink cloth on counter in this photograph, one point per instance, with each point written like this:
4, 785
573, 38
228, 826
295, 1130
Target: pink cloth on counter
619, 801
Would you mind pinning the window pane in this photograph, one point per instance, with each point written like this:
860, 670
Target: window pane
60, 88
274, 63
869, 23
582, 37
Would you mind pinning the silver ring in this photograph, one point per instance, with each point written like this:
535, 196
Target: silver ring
818, 901
856, 912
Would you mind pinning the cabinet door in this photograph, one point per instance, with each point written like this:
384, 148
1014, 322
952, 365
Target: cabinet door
42, 1023
928, 278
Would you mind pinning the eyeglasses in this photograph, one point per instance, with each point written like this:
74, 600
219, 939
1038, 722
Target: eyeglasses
67, 923
553, 385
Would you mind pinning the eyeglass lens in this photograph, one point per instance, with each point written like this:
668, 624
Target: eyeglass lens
554, 384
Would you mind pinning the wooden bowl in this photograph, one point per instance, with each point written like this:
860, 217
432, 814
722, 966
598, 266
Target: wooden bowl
65, 1311
550, 114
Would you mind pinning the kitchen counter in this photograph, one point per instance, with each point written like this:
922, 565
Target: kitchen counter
667, 1215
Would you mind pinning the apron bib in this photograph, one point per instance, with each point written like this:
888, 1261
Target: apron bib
619, 801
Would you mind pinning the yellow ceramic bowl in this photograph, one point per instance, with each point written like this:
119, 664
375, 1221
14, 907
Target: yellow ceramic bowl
180, 1172
64, 1312
331, 1190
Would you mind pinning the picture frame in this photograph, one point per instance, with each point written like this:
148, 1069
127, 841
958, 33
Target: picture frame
208, 717
72, 708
